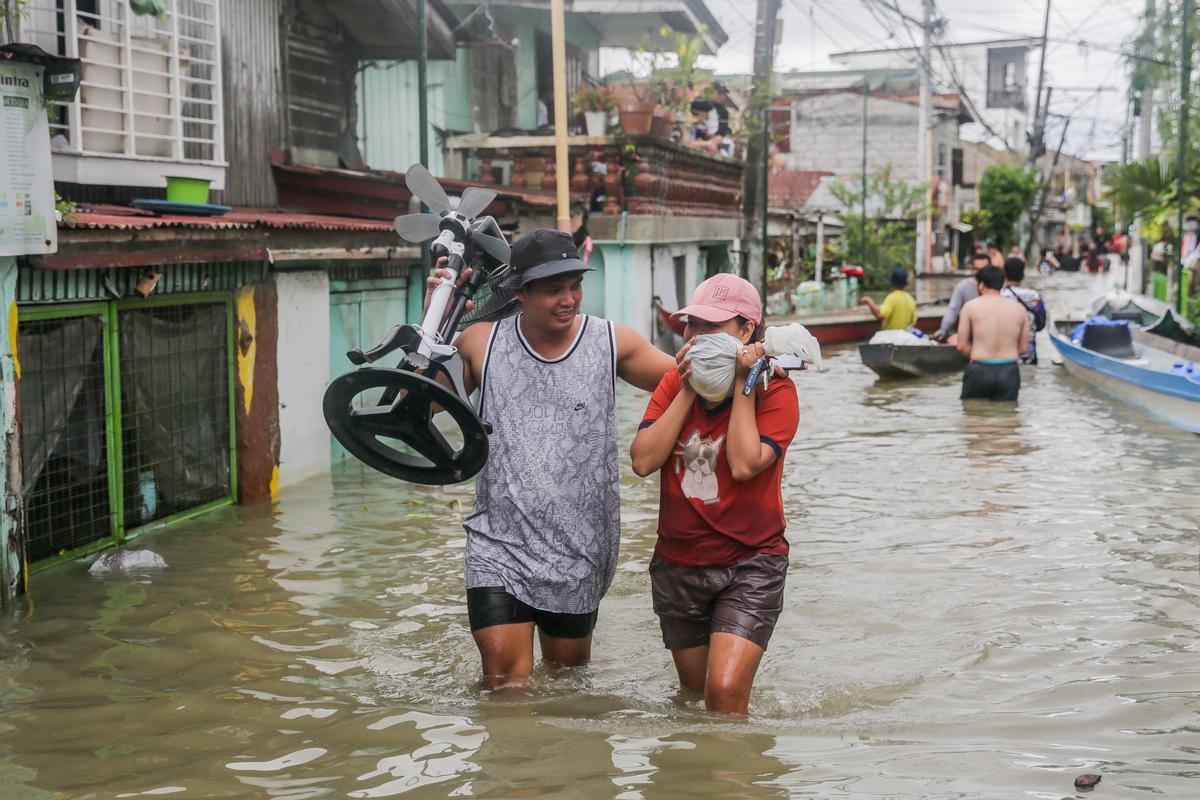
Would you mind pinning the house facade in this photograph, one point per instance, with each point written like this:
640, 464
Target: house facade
492, 91
992, 76
840, 122
161, 364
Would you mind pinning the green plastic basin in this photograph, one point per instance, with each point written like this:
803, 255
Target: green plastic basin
187, 190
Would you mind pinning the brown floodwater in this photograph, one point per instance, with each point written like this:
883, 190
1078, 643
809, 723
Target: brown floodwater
983, 602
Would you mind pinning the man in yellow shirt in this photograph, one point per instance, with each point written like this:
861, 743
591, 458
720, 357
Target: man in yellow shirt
899, 309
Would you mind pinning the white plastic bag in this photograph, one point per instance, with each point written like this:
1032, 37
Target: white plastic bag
714, 357
898, 336
792, 340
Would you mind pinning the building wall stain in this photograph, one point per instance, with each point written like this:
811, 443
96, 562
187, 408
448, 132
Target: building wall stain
257, 334
12, 547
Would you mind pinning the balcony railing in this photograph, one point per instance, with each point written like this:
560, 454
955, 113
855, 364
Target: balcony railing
638, 174
150, 90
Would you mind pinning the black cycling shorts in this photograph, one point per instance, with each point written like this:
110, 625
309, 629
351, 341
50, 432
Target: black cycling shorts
492, 605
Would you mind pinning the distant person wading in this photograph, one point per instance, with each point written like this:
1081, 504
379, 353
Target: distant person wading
993, 333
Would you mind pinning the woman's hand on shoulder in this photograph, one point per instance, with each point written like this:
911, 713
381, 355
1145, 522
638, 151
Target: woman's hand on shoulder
746, 356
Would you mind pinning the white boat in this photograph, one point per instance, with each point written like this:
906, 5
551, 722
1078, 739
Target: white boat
1136, 367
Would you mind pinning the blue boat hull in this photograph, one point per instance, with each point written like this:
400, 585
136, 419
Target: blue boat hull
1170, 397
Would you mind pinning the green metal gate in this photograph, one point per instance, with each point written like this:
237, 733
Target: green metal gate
126, 418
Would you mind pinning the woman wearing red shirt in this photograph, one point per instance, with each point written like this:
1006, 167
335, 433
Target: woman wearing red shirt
720, 563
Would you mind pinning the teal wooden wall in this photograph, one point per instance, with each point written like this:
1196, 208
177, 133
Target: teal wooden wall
361, 312
389, 132
388, 112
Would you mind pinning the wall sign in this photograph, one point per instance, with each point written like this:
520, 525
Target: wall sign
27, 221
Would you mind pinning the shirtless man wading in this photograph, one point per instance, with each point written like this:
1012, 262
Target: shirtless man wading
542, 537
993, 331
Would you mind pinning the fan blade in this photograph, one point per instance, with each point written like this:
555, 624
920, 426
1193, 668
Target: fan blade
474, 201
496, 248
426, 187
417, 227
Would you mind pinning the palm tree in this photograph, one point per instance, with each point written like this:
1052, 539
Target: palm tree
1150, 189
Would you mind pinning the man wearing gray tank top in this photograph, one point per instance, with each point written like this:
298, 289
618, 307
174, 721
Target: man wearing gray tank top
542, 538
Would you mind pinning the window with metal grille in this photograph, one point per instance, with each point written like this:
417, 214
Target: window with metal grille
151, 89
64, 446
175, 423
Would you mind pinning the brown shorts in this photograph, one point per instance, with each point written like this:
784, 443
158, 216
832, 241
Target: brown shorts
693, 602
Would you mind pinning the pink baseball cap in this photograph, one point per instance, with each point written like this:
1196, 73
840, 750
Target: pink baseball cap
723, 297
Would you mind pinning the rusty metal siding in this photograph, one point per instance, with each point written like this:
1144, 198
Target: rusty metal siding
251, 64
318, 71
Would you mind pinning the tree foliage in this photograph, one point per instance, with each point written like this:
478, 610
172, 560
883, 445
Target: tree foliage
1150, 190
1005, 193
893, 207
1153, 58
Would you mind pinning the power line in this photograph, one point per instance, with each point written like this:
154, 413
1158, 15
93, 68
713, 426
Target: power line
860, 33
1083, 43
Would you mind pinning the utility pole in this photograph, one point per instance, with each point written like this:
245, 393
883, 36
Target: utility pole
422, 83
1037, 137
1185, 82
862, 222
1122, 213
1035, 215
1146, 129
423, 108
754, 207
924, 226
1037, 144
1138, 250
562, 169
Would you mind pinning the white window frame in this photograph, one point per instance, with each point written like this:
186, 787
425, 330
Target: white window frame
145, 139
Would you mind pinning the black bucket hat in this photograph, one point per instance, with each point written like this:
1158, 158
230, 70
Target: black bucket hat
719, 86
543, 253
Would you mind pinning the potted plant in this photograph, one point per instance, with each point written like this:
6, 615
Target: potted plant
671, 85
597, 104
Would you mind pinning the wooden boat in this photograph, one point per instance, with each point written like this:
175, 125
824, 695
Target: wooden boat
853, 325
1134, 366
911, 361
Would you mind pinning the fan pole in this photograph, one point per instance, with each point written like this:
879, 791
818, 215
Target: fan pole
562, 172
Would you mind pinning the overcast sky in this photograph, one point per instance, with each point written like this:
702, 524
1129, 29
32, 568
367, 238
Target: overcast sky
812, 29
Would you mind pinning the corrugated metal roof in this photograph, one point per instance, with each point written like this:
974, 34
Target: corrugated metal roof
122, 218
792, 188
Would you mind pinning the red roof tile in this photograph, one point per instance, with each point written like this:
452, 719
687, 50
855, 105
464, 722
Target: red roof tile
792, 188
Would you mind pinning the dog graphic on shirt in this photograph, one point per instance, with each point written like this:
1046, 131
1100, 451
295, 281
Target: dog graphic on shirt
697, 459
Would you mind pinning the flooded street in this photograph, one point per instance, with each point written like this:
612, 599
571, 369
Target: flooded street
982, 603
